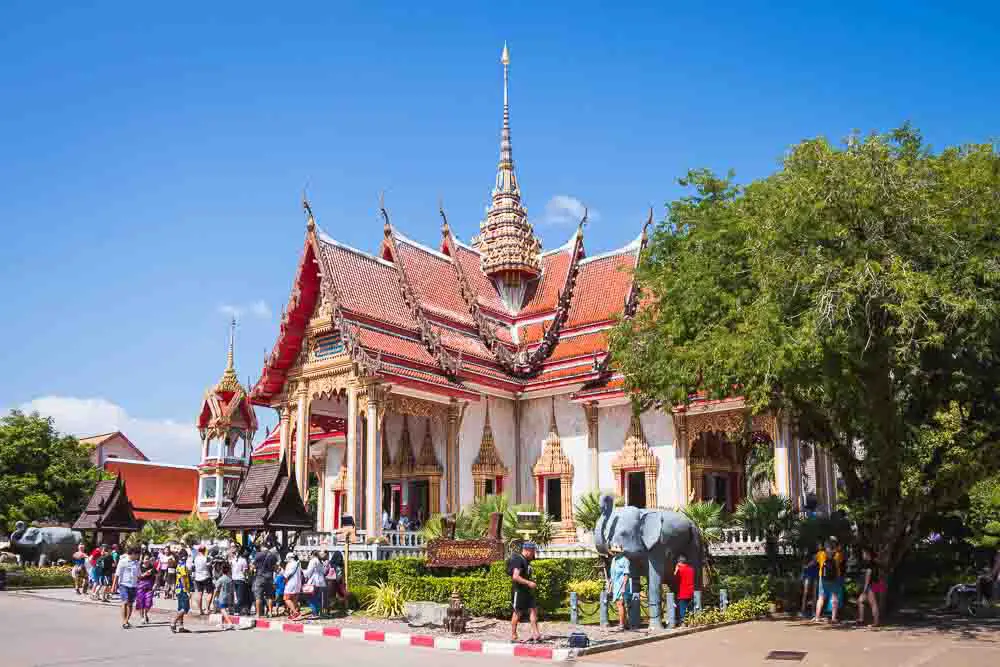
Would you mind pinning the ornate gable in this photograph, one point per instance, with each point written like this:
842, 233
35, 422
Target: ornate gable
636, 455
488, 464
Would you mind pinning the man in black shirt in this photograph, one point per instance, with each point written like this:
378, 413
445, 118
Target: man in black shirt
263, 581
523, 591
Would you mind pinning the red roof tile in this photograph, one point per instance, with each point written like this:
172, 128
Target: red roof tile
583, 344
614, 385
397, 346
548, 375
433, 278
545, 297
487, 293
157, 488
469, 344
532, 333
602, 285
367, 285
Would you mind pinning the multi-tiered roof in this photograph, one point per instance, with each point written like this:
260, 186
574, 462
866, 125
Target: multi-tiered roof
499, 312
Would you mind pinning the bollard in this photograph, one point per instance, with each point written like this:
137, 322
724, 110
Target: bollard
634, 615
604, 609
697, 600
723, 599
574, 612
671, 611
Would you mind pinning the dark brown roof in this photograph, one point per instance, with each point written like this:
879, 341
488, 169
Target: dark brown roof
268, 498
108, 509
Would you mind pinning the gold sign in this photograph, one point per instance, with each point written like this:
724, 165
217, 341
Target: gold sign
463, 553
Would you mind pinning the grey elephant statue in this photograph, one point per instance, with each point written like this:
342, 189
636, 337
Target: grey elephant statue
42, 545
651, 540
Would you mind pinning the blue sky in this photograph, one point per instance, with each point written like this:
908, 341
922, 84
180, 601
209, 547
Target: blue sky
152, 158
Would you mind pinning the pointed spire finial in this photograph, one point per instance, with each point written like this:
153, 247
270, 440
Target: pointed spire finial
230, 361
445, 228
645, 227
487, 424
310, 220
553, 429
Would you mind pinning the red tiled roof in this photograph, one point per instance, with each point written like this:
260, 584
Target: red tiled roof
469, 344
367, 285
555, 267
417, 378
602, 285
485, 290
614, 385
397, 346
532, 333
157, 488
583, 344
433, 278
548, 375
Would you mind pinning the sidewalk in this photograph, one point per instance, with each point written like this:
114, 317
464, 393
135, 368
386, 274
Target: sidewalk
160, 606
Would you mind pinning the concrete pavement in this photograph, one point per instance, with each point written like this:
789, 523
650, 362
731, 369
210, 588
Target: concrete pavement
949, 643
40, 633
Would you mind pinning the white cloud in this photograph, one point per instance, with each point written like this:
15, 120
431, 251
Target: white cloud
565, 210
257, 309
161, 440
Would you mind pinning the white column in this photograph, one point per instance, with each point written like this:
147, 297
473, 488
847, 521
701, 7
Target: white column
285, 436
218, 492
373, 467
782, 480
301, 444
352, 501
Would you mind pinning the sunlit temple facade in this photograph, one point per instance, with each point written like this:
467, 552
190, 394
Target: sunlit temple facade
423, 376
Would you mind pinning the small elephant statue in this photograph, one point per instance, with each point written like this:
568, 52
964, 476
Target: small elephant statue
42, 545
651, 540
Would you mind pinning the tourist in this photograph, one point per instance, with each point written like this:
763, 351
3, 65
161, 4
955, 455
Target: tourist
314, 582
523, 591
335, 578
109, 561
263, 581
279, 593
144, 589
386, 520
162, 565
79, 571
224, 598
830, 578
203, 579
293, 585
182, 590
96, 574
621, 584
171, 580
685, 587
239, 567
871, 586
810, 579
125, 581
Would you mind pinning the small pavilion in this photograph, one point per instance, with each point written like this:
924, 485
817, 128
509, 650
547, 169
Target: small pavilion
108, 513
267, 500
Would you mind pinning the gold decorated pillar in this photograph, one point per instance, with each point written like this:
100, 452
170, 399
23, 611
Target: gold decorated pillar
285, 434
352, 455
373, 460
452, 472
302, 442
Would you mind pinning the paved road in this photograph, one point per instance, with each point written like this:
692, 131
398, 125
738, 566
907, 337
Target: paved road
43, 633
952, 643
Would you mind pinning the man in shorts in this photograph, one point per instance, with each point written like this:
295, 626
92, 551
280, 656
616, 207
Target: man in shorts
523, 592
263, 581
125, 581
203, 579
182, 590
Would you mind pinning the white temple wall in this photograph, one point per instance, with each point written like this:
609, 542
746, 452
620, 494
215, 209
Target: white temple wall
571, 422
334, 457
393, 427
471, 434
612, 425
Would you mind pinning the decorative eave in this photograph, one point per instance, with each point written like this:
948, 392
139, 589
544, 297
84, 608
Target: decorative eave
404, 463
488, 462
450, 364
553, 461
427, 464
636, 454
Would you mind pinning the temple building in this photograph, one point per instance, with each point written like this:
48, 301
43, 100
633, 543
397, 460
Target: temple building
423, 376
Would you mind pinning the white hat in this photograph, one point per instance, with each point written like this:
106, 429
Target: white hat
291, 557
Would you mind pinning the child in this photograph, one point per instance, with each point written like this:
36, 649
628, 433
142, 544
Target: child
183, 592
621, 584
278, 606
870, 586
144, 592
79, 573
96, 574
685, 587
224, 598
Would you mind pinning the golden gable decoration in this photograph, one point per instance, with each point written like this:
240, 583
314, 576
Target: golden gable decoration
636, 455
553, 462
427, 464
488, 464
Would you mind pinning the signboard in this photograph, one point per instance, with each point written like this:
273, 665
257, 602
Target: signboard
463, 553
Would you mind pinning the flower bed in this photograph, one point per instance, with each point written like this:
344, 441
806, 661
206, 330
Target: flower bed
28, 577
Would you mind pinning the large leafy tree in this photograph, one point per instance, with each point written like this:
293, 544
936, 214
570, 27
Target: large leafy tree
857, 289
44, 476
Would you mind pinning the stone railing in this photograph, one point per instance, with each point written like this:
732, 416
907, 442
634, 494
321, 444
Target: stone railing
397, 544
567, 551
740, 542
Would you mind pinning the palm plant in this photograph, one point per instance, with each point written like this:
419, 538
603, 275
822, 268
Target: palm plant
588, 509
193, 529
710, 520
760, 468
152, 532
768, 517
472, 521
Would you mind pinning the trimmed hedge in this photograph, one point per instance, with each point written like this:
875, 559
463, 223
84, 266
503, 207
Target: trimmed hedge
26, 577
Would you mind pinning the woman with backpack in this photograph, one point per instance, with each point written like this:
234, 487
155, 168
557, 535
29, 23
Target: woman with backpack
293, 585
315, 583
831, 582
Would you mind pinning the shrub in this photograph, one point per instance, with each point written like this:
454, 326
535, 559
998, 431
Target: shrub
587, 591
386, 601
707, 616
748, 608
367, 572
27, 577
359, 596
583, 569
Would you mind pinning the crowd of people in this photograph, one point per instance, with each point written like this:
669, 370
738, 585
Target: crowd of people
243, 581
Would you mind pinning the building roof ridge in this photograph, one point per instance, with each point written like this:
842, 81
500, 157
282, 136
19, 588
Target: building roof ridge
150, 463
420, 246
329, 240
632, 246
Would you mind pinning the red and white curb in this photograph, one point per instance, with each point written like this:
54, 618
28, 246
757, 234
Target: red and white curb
404, 639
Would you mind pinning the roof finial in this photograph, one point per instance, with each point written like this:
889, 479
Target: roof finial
486, 425
230, 362
645, 227
583, 221
386, 227
445, 228
310, 220
553, 429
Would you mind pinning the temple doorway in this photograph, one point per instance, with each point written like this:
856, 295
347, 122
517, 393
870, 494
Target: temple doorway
553, 497
635, 489
717, 469
417, 505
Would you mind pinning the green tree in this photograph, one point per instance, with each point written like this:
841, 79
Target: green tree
983, 516
760, 468
856, 289
43, 475
193, 529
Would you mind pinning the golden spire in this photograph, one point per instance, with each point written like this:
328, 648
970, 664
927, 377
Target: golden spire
510, 251
230, 356
229, 381
553, 428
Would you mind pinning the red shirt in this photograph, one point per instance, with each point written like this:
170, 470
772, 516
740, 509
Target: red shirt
685, 581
